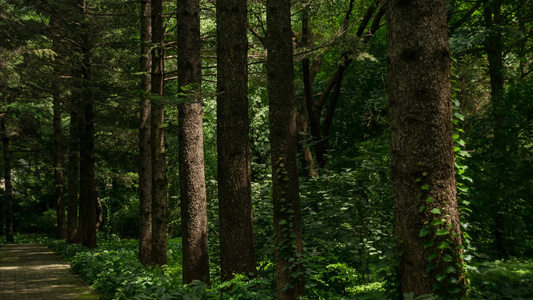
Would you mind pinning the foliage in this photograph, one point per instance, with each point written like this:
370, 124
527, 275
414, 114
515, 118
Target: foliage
503, 279
346, 211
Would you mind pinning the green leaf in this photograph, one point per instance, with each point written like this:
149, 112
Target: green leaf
423, 232
436, 222
447, 258
450, 269
444, 245
421, 209
442, 231
432, 256
430, 199
435, 211
428, 244
425, 187
441, 276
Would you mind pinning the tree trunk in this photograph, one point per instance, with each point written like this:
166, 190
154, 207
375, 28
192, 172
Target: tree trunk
494, 47
306, 158
159, 167
283, 137
145, 153
237, 241
73, 173
8, 196
58, 150
422, 156
87, 161
191, 150
58, 171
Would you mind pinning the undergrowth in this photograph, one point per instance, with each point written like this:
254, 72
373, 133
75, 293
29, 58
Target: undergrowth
114, 272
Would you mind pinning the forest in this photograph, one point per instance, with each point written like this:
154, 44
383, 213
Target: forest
272, 149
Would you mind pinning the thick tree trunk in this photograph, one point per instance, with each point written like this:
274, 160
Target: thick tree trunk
283, 137
8, 193
159, 166
422, 155
191, 150
234, 176
73, 175
145, 153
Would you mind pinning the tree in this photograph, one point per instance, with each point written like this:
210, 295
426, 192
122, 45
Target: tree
58, 149
73, 173
426, 216
145, 154
87, 196
8, 193
237, 254
191, 150
159, 179
283, 137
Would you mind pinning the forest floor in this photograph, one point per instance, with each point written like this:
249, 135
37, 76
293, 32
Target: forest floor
32, 271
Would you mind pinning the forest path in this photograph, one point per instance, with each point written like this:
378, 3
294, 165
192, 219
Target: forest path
32, 271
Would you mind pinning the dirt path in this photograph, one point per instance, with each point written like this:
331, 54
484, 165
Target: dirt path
32, 271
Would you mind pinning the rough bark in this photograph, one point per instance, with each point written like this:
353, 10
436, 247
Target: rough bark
8, 192
159, 177
145, 153
283, 137
234, 175
422, 155
191, 150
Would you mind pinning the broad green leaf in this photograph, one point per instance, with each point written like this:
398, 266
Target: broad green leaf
437, 222
436, 211
444, 245
442, 231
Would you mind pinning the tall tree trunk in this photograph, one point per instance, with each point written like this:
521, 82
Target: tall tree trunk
73, 175
426, 216
58, 147
8, 196
58, 168
283, 137
159, 167
237, 241
494, 47
191, 147
308, 77
87, 161
145, 153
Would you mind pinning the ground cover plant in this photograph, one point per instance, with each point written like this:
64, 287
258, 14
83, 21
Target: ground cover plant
114, 272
